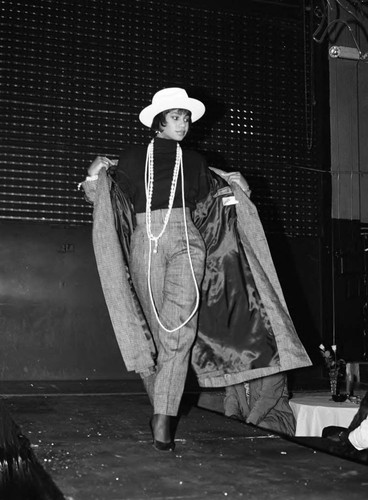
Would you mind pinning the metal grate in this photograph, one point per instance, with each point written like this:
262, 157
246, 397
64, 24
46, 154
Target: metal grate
75, 75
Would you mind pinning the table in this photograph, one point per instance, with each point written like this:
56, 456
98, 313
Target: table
314, 411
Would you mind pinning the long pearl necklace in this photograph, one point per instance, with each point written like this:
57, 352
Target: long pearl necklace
149, 175
149, 178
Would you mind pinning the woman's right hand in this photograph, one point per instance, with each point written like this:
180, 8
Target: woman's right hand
235, 177
98, 163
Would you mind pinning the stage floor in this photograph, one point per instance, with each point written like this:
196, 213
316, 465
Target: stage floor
96, 445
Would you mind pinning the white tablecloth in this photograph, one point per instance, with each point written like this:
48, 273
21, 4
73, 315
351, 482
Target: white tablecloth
314, 411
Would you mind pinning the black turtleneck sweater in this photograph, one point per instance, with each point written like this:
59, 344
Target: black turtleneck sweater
131, 168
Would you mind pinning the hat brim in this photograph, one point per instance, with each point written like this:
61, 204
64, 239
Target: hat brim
195, 106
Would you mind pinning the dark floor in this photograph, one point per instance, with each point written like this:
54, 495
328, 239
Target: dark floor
94, 441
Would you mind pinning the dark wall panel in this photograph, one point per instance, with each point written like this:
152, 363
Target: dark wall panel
303, 267
53, 320
350, 293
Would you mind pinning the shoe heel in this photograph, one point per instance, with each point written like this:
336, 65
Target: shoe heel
160, 446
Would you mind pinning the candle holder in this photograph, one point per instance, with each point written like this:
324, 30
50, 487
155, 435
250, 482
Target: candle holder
334, 378
336, 371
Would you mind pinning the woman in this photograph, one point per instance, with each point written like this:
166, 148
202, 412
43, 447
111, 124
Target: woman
163, 266
166, 244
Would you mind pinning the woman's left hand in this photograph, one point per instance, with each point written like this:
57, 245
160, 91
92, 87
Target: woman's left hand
233, 177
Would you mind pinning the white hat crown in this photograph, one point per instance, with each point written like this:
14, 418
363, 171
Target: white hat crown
171, 98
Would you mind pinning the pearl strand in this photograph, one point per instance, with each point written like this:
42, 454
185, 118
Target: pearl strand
149, 191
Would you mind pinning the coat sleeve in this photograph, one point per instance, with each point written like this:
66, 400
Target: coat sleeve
89, 188
271, 391
235, 402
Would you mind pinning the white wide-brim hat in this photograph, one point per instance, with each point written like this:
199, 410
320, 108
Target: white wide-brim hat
171, 98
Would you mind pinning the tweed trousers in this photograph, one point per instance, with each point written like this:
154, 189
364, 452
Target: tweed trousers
174, 296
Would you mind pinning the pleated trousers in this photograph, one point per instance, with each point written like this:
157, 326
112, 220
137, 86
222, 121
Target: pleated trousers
174, 297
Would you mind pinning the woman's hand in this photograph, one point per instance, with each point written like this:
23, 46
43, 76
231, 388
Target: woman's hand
98, 163
233, 177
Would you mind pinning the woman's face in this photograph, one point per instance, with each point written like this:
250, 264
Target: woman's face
177, 125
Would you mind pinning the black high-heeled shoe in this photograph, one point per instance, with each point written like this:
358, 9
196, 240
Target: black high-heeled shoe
161, 445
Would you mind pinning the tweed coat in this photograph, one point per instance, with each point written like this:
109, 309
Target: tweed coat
244, 329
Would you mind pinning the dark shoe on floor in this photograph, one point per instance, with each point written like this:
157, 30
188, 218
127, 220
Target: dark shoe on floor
160, 445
